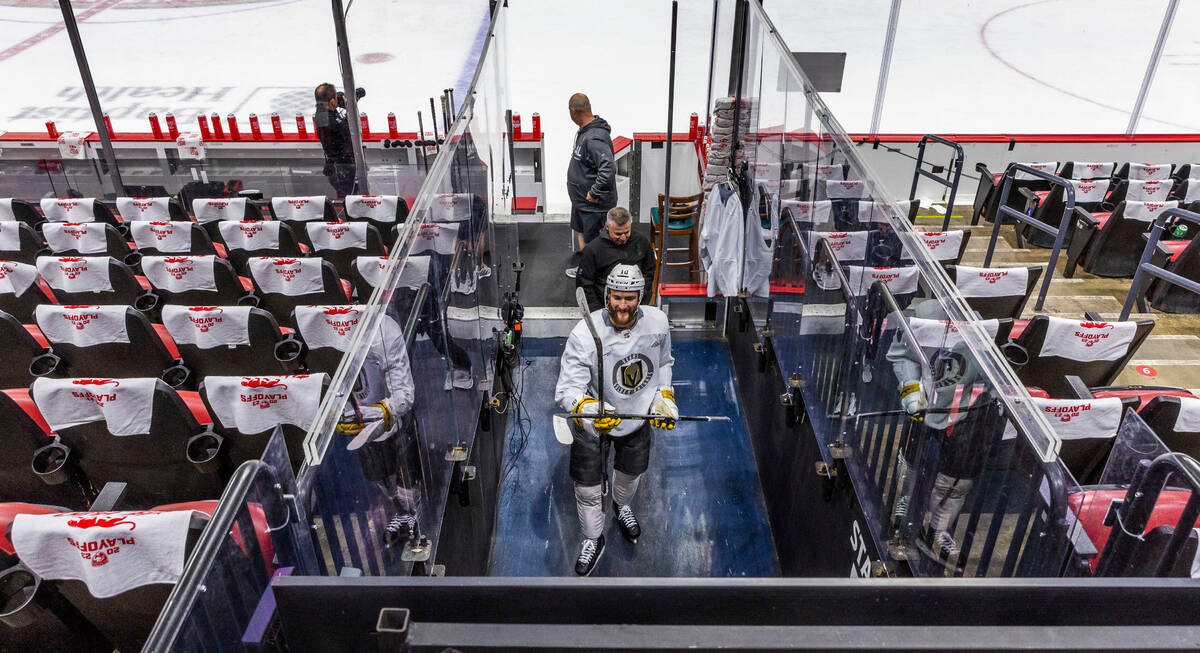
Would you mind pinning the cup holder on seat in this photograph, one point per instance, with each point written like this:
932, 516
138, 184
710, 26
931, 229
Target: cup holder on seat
50, 463
205, 451
1016, 354
18, 587
45, 364
289, 349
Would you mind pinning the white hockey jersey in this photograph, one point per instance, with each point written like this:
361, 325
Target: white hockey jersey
722, 241
756, 278
637, 364
386, 375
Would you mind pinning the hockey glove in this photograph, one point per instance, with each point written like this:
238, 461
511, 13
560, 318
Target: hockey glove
378, 411
588, 405
351, 422
664, 406
912, 399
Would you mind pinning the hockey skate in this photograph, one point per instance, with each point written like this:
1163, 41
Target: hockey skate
400, 529
589, 555
627, 522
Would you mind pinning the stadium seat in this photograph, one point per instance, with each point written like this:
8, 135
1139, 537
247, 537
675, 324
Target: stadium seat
20, 211
22, 345
230, 340
78, 209
1096, 352
367, 273
156, 209
285, 283
1088, 428
23, 431
1145, 171
995, 292
341, 243
20, 242
91, 280
21, 289
99, 340
1176, 421
947, 247
1141, 191
247, 239
157, 238
85, 239
246, 410
296, 211
987, 195
1182, 258
326, 332
1086, 170
133, 430
1143, 393
195, 281
1112, 246
1092, 506
1187, 191
381, 211
224, 208
1089, 196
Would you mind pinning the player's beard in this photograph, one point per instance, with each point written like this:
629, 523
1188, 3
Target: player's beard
620, 318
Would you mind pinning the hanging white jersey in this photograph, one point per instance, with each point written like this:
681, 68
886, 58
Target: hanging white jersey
756, 277
637, 364
722, 238
386, 375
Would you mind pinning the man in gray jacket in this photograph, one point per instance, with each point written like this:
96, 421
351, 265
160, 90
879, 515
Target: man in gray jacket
591, 177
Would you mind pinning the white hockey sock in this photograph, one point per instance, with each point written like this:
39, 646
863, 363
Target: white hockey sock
947, 499
591, 513
624, 487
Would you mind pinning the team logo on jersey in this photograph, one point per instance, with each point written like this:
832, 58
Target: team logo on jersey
632, 373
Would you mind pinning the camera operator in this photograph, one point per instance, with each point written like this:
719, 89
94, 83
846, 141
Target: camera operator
333, 130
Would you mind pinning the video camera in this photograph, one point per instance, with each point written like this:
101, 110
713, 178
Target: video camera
359, 93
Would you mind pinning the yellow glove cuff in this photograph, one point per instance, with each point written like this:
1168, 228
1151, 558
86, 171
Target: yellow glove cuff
667, 393
387, 414
583, 401
349, 428
909, 389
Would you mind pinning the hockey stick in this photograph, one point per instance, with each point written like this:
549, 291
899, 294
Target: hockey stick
581, 300
681, 418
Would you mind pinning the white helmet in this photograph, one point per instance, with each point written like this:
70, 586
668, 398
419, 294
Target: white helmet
625, 278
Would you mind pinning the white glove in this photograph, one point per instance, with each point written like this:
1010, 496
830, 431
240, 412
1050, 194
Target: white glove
588, 405
372, 413
912, 399
664, 405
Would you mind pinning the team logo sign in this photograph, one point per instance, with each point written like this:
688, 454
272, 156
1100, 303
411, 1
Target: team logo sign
632, 373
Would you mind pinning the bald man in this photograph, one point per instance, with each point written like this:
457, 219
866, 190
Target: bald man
591, 177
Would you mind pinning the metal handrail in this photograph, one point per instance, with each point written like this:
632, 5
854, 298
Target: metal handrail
1133, 515
919, 172
191, 583
1060, 234
1140, 285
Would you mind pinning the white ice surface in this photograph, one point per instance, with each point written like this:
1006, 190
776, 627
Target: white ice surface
965, 66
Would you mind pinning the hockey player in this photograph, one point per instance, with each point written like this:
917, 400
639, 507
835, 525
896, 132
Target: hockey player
384, 393
637, 374
957, 424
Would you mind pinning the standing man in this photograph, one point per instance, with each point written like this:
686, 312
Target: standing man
592, 175
617, 243
636, 344
333, 130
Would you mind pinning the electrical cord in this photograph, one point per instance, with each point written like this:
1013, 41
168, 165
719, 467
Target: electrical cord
521, 420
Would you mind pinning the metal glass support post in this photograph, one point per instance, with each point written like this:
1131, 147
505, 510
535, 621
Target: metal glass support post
664, 219
89, 88
712, 63
885, 65
347, 68
1147, 271
919, 171
1163, 32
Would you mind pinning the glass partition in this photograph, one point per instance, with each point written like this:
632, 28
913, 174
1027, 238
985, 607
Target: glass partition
421, 357
905, 388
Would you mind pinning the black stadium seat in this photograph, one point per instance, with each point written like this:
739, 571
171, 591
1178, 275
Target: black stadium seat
987, 196
99, 340
1141, 191
1088, 428
341, 243
155, 238
1112, 246
20, 242
995, 292
1089, 196
78, 209
85, 239
135, 431
246, 410
1183, 258
23, 431
325, 331
21, 289
248, 239
1086, 170
20, 211
230, 340
1094, 351
381, 211
157, 209
90, 280
1145, 171
21, 344
285, 283
1176, 421
1187, 191
195, 281
295, 212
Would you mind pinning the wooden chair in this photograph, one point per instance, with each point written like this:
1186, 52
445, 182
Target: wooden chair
683, 220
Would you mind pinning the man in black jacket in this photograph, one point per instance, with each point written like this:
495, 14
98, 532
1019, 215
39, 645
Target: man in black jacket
592, 175
617, 243
333, 131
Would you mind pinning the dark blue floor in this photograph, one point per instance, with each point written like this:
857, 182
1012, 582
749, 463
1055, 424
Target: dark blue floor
700, 503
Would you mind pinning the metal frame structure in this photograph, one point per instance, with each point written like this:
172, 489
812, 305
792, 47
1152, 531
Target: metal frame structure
1137, 289
1060, 234
919, 172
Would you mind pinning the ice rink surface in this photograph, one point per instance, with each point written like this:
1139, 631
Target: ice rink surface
960, 66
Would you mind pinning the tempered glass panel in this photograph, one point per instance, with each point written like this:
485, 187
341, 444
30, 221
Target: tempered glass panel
1174, 88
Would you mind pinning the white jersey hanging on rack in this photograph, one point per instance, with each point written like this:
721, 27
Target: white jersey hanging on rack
722, 238
756, 276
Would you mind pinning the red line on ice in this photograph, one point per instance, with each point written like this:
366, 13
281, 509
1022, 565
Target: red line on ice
14, 50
